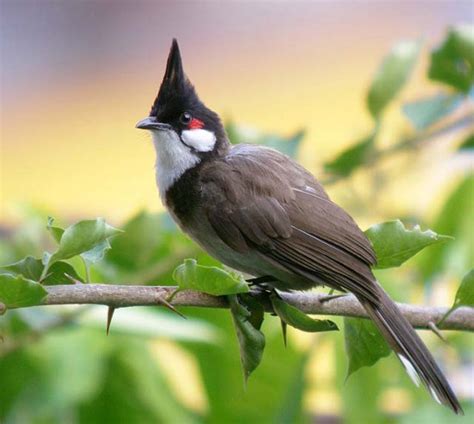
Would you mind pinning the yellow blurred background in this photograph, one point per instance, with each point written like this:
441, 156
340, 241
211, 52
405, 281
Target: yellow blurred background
76, 76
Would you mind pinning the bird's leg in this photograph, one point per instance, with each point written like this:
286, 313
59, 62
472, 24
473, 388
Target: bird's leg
264, 291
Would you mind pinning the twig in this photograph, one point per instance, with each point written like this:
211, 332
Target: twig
464, 121
119, 296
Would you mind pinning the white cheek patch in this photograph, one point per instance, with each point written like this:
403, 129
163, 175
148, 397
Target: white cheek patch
173, 159
199, 139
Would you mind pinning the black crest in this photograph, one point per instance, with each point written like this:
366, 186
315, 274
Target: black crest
177, 95
176, 91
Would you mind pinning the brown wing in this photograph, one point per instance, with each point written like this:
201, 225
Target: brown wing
257, 198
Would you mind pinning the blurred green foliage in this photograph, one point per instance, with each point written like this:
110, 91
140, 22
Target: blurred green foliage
57, 365
352, 158
391, 76
468, 143
453, 62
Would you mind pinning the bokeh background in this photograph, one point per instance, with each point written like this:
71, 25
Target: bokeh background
75, 78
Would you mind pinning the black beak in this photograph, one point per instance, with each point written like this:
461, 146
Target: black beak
151, 123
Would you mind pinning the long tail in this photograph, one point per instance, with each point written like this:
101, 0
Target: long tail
410, 349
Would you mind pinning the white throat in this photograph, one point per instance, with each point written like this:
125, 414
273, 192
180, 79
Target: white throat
173, 159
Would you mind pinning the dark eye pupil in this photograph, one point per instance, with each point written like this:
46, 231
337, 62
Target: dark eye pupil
186, 118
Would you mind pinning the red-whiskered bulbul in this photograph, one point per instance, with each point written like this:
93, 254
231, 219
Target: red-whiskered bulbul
258, 211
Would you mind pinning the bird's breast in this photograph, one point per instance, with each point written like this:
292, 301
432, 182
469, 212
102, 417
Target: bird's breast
183, 198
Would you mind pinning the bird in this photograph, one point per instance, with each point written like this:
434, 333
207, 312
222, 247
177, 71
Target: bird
258, 211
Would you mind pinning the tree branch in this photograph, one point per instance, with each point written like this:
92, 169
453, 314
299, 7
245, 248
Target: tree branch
119, 296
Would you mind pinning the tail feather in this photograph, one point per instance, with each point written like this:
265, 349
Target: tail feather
410, 349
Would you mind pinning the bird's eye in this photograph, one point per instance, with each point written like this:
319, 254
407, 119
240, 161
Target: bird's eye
185, 118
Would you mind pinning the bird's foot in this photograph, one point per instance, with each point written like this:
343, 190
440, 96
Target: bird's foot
260, 285
261, 281
263, 291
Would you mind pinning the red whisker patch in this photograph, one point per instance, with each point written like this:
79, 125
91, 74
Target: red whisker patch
195, 124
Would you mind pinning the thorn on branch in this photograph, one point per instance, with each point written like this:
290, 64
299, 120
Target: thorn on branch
437, 331
171, 296
110, 315
462, 319
168, 305
283, 331
329, 297
72, 279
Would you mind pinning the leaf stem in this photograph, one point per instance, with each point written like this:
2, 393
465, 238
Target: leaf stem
87, 270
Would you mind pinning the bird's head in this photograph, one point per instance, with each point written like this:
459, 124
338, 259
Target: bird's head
179, 116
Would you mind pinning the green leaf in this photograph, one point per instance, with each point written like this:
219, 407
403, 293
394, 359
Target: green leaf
455, 218
425, 112
352, 158
56, 232
364, 344
17, 291
29, 267
148, 250
257, 313
32, 269
465, 293
83, 237
392, 75
137, 247
208, 279
251, 339
394, 244
467, 144
298, 319
452, 63
57, 274
97, 253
